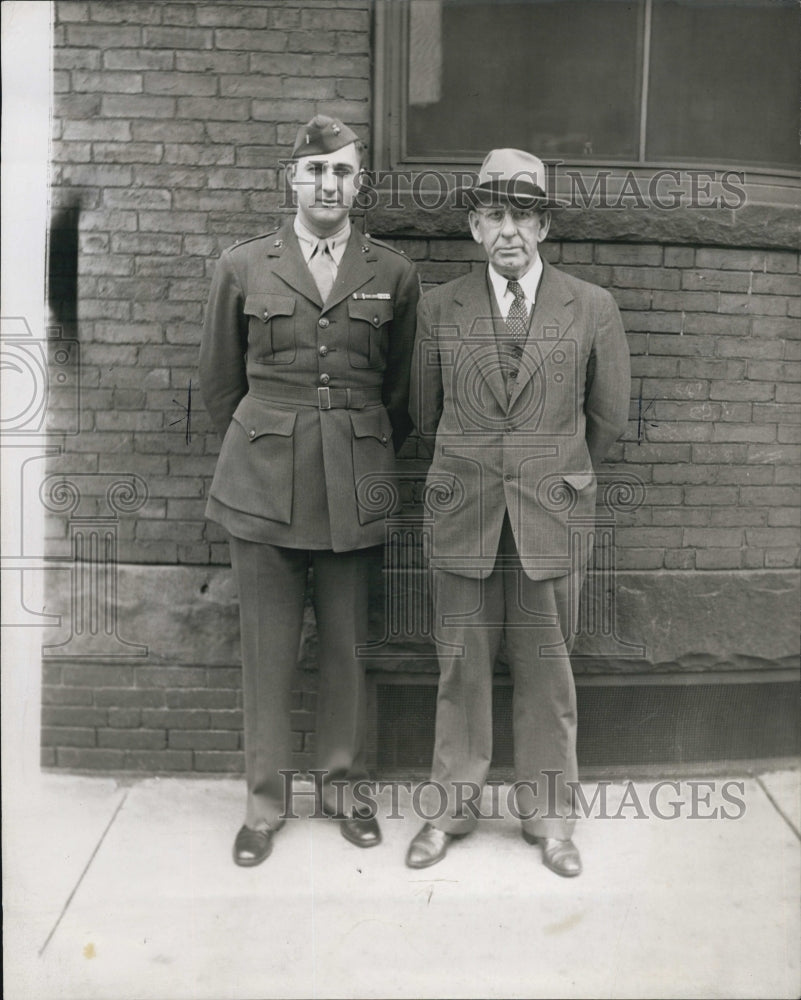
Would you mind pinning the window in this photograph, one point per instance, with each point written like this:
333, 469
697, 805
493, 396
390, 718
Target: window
596, 82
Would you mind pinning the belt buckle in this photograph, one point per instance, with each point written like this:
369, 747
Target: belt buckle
323, 397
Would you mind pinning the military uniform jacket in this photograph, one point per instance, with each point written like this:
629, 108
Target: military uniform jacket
525, 445
310, 398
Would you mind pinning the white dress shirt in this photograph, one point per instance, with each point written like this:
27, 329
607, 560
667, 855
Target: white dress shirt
529, 282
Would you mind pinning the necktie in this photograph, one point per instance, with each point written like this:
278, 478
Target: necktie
511, 348
323, 268
517, 319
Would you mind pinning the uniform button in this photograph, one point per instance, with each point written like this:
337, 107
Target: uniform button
325, 379
323, 351
251, 433
376, 320
512, 376
323, 322
383, 439
508, 477
266, 315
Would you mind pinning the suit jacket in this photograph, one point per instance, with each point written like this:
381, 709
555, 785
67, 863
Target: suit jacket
526, 447
309, 398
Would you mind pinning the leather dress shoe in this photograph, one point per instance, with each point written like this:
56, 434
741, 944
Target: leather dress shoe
428, 847
251, 847
361, 829
561, 856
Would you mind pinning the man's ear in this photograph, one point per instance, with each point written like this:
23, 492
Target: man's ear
545, 225
473, 218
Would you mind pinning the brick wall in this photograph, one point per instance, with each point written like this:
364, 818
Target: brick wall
169, 122
715, 421
144, 718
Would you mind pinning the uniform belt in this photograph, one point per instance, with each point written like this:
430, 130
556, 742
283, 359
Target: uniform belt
323, 397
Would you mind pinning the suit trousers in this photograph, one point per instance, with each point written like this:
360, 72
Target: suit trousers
537, 619
272, 586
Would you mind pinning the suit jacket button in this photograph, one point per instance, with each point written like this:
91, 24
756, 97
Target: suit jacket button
323, 322
325, 379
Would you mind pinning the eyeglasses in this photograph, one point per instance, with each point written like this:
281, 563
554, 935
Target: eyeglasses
520, 216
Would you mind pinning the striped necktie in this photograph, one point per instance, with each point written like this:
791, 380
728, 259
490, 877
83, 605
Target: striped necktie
323, 268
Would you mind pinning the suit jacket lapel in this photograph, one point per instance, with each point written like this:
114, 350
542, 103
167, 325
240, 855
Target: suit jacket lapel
551, 319
475, 318
290, 266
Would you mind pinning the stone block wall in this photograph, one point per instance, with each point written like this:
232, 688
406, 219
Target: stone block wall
170, 120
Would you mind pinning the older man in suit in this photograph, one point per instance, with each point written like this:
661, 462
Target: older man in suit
304, 366
520, 384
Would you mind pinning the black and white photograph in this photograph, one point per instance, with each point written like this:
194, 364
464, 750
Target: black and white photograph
400, 427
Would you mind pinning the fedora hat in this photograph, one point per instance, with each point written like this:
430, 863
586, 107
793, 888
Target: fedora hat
511, 175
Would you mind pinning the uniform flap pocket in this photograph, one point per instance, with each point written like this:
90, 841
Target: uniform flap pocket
371, 423
258, 418
579, 480
267, 305
373, 311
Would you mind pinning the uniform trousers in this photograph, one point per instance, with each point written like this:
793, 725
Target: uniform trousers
537, 619
272, 586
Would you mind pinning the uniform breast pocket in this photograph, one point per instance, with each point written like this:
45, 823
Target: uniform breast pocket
368, 332
271, 328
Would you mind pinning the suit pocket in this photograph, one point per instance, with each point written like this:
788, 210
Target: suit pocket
368, 332
373, 464
255, 471
583, 488
271, 328
579, 480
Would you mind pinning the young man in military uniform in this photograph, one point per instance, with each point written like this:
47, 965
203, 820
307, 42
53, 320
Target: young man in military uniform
304, 367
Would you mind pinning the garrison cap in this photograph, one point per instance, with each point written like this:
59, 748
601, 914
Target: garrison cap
322, 135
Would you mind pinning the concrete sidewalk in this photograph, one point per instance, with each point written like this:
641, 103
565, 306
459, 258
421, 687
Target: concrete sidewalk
117, 890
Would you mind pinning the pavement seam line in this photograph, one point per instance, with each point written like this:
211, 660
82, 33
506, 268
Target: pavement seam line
86, 868
777, 807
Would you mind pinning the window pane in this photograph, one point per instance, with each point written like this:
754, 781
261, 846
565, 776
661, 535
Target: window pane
724, 82
559, 78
